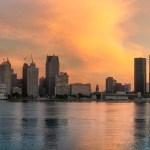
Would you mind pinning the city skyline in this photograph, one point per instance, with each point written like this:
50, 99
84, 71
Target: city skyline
52, 66
94, 38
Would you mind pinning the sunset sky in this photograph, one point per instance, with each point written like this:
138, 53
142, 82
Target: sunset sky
93, 38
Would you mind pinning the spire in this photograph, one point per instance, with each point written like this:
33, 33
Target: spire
31, 58
97, 88
7, 60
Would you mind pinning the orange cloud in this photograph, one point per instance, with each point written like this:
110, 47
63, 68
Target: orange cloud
88, 36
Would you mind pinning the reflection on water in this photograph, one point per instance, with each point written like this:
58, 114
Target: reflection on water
142, 126
53, 131
74, 126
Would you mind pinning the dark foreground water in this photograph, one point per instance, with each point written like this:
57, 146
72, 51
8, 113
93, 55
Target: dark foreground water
74, 126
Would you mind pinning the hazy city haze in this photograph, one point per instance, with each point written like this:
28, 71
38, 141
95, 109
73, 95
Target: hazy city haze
94, 39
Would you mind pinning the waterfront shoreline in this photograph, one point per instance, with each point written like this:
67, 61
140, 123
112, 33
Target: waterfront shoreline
65, 100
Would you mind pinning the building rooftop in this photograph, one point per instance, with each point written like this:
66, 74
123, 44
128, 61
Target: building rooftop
49, 58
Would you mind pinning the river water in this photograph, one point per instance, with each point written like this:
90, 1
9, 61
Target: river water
74, 126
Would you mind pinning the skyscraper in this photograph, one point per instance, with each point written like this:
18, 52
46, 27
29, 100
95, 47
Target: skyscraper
24, 80
97, 89
140, 75
5, 75
42, 90
14, 79
52, 69
32, 80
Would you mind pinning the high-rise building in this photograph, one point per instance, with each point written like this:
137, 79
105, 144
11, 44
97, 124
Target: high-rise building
19, 83
32, 80
42, 90
14, 79
24, 80
110, 84
97, 89
5, 75
62, 84
140, 75
97, 93
52, 69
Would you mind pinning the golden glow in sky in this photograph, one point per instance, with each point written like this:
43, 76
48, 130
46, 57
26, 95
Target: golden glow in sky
94, 39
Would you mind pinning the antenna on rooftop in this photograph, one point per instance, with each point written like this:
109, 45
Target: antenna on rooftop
31, 58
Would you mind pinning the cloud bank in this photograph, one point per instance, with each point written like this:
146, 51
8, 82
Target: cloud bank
92, 38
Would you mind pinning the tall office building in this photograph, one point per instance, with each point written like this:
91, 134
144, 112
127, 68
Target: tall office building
52, 69
97, 89
14, 79
5, 75
32, 80
24, 80
110, 84
19, 83
42, 90
140, 75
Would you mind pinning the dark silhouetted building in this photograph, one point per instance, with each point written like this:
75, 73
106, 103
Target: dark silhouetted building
32, 80
118, 87
14, 80
42, 90
97, 92
24, 80
19, 83
52, 69
97, 89
140, 75
110, 83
